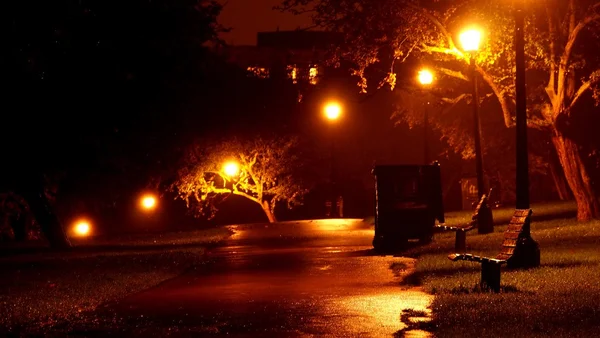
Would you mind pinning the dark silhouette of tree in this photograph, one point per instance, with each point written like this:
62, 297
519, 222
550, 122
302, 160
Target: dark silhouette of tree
87, 83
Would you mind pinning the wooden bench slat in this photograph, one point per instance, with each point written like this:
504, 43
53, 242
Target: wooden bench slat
522, 212
511, 235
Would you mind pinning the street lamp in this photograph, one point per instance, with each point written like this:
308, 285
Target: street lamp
231, 169
470, 40
425, 79
148, 202
82, 228
522, 162
332, 112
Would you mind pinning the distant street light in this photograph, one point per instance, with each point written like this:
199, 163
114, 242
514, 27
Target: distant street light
148, 202
426, 79
333, 112
231, 169
470, 40
82, 228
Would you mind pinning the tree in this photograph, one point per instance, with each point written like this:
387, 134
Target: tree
85, 77
562, 71
263, 170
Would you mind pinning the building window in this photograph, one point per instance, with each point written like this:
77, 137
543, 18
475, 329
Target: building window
292, 73
259, 72
313, 72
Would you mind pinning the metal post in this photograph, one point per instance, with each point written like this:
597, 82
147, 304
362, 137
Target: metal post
332, 177
521, 114
425, 135
477, 128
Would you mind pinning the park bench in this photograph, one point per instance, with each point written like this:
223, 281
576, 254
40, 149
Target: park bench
518, 250
480, 219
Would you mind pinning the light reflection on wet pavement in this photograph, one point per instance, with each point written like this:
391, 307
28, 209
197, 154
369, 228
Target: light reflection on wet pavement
296, 279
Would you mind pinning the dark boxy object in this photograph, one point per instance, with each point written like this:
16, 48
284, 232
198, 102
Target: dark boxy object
408, 200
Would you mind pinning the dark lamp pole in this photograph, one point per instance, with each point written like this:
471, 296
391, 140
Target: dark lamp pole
521, 107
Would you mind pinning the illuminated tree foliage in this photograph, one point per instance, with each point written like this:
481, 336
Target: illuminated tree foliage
266, 174
561, 40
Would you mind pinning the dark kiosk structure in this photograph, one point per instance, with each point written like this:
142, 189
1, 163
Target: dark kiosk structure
408, 200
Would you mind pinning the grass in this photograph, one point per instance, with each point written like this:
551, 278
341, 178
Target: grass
42, 289
560, 298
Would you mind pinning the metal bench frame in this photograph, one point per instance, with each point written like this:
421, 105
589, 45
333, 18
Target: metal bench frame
518, 250
460, 243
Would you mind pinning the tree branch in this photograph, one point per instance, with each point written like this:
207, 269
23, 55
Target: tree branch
248, 196
502, 99
453, 73
442, 50
587, 85
573, 37
551, 87
439, 25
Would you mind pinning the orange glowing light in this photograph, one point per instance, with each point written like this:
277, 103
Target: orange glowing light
82, 228
425, 77
470, 39
148, 202
231, 169
333, 111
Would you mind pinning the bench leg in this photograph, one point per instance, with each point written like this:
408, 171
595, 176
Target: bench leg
490, 276
460, 244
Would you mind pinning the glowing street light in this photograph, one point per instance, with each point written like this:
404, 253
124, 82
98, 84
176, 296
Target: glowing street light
470, 40
231, 169
82, 228
333, 111
148, 202
425, 79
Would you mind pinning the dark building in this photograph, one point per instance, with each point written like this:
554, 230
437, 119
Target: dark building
295, 55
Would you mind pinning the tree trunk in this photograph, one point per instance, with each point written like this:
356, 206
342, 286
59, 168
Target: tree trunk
33, 192
558, 176
588, 206
267, 209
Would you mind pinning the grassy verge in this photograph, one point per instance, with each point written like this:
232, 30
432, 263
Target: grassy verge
560, 298
39, 290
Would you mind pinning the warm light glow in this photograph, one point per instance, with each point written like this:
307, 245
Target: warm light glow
231, 169
425, 77
312, 75
333, 111
82, 228
470, 40
148, 202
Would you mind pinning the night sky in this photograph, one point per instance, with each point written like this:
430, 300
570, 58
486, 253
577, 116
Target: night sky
247, 17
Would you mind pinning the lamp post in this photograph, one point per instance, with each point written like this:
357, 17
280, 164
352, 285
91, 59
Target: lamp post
521, 107
332, 112
425, 79
470, 40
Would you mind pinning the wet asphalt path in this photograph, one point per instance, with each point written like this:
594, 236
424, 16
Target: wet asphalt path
296, 279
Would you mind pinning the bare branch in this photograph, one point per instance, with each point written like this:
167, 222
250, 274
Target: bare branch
573, 37
551, 87
500, 94
442, 50
453, 73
